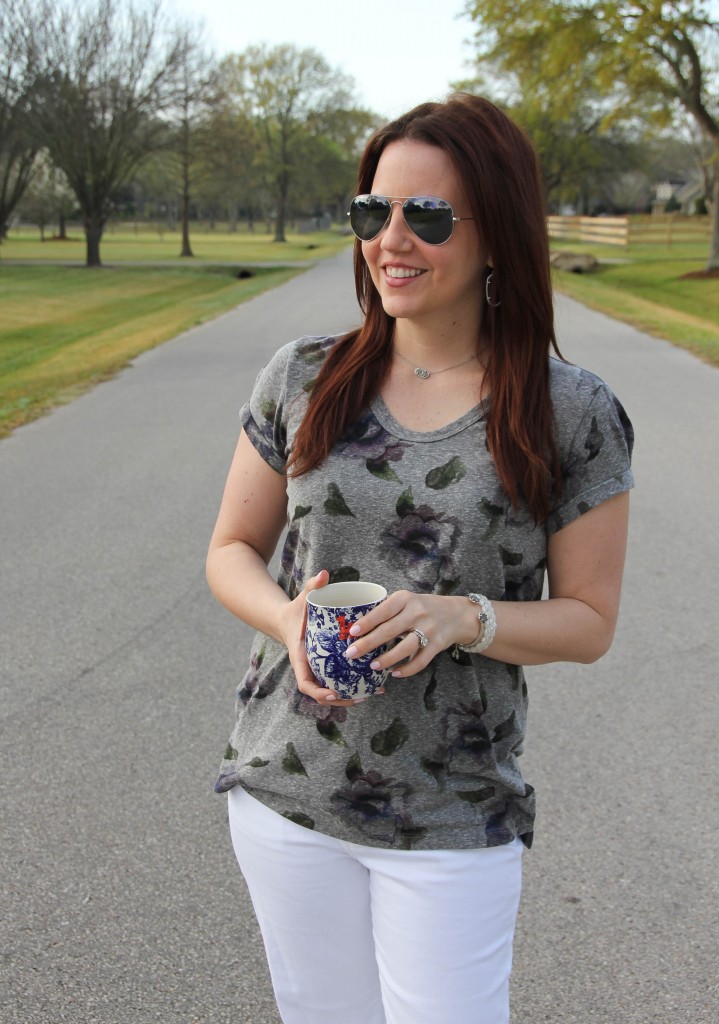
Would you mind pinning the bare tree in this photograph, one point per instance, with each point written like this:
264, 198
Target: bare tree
194, 85
17, 74
107, 77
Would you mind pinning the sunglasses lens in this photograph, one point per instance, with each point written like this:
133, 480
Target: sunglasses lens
368, 215
429, 218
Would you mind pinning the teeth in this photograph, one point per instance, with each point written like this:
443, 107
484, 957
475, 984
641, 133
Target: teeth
402, 272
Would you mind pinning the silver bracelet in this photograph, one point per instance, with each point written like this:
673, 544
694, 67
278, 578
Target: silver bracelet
487, 626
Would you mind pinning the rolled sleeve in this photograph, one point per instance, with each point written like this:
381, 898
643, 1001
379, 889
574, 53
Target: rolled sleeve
596, 465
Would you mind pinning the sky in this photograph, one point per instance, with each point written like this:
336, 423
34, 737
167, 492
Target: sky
399, 54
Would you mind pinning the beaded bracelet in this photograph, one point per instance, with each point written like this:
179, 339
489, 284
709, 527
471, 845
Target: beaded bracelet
487, 626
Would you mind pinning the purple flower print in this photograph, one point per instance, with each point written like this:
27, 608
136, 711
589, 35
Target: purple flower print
256, 683
301, 704
294, 554
367, 439
376, 806
421, 544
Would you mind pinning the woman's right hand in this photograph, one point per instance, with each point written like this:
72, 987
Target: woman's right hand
294, 621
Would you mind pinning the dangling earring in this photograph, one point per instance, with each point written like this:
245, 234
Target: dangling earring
486, 292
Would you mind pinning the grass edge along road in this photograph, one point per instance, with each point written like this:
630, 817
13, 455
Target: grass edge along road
65, 328
647, 287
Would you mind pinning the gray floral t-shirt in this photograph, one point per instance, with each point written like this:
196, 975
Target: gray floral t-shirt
432, 763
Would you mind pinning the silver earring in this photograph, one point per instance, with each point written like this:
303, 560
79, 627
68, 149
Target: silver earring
486, 292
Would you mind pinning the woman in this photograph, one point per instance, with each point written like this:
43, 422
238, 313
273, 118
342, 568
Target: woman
439, 451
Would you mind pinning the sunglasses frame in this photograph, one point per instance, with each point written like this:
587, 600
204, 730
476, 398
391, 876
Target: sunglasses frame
402, 201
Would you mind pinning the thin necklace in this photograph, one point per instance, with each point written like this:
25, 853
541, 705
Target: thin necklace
420, 371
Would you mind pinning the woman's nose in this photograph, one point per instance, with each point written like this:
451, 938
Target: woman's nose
395, 234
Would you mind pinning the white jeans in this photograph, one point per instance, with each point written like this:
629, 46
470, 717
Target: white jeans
358, 935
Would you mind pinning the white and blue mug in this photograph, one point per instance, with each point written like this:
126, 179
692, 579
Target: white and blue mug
331, 611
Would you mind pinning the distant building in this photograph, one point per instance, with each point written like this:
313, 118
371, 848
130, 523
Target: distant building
688, 195
680, 196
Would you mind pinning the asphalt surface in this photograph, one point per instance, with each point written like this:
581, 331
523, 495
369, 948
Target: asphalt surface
121, 900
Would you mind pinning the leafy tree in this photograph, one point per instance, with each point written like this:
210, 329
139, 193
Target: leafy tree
230, 144
154, 188
578, 154
577, 150
340, 137
18, 146
647, 58
288, 88
280, 136
108, 73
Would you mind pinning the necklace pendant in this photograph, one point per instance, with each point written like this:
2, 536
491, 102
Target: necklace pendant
421, 372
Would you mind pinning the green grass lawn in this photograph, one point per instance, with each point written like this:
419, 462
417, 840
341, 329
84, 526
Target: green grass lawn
63, 329
219, 246
647, 288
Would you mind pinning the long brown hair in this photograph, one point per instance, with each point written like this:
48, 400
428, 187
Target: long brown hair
499, 171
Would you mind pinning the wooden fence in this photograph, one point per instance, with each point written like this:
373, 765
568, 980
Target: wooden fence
658, 229
607, 230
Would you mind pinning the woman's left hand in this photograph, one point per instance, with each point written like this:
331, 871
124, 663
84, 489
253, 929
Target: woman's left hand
442, 620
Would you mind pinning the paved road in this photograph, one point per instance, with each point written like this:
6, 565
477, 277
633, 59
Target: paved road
121, 901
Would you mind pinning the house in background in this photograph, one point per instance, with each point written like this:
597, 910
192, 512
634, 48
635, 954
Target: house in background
689, 194
680, 196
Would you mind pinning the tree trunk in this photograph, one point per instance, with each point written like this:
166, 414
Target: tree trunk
186, 249
280, 227
185, 205
233, 214
713, 259
93, 234
281, 209
62, 228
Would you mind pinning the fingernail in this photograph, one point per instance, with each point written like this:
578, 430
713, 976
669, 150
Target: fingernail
397, 675
358, 700
351, 652
375, 665
355, 630
331, 696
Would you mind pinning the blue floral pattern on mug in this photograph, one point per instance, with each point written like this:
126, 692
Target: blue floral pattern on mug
327, 638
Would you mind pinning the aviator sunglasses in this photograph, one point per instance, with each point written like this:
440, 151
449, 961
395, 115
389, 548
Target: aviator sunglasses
429, 218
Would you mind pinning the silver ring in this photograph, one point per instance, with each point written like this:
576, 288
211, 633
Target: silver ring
422, 637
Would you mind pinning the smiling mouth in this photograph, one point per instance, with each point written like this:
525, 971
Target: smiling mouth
402, 272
